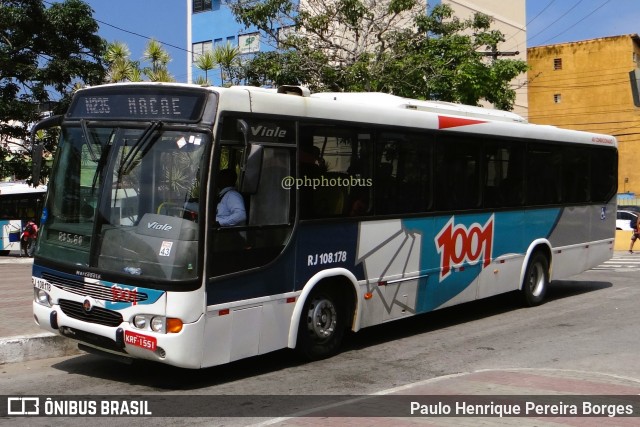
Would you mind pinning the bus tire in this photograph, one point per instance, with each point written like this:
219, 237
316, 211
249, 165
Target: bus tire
322, 324
536, 280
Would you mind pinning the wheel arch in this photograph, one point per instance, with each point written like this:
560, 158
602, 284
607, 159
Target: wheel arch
338, 278
538, 245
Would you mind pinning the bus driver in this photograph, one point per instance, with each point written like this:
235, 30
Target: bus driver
230, 211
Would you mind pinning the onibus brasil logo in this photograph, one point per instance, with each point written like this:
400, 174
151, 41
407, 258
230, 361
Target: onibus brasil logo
458, 244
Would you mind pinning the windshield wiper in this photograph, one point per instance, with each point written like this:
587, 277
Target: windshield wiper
142, 145
101, 163
87, 137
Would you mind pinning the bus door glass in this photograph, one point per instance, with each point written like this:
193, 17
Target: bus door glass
254, 211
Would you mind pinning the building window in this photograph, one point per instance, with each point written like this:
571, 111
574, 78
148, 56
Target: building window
249, 43
231, 40
284, 32
199, 48
557, 98
217, 42
201, 5
557, 64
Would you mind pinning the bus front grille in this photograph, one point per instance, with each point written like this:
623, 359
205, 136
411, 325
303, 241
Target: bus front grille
94, 290
97, 315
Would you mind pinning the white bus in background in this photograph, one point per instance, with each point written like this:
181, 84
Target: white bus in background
19, 202
361, 209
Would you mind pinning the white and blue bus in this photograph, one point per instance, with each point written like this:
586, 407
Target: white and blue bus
19, 203
360, 209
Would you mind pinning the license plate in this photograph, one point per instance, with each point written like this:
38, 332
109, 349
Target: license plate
140, 340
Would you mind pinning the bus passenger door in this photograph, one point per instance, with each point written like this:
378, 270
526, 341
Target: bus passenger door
260, 156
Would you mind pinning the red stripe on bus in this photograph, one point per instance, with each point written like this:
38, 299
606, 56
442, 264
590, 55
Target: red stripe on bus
445, 122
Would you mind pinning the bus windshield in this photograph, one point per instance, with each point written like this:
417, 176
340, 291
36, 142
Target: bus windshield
124, 199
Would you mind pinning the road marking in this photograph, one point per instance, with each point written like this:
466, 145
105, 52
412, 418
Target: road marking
626, 262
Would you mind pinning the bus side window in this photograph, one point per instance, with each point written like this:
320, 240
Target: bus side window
403, 182
503, 175
544, 174
335, 172
458, 173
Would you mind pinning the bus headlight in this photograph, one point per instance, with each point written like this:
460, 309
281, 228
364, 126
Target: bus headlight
140, 321
158, 324
41, 297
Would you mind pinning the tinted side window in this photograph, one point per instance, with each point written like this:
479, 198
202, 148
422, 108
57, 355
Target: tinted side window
544, 174
576, 175
604, 173
334, 176
504, 175
403, 180
457, 166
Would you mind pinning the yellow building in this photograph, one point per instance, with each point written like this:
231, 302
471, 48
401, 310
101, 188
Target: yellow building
586, 85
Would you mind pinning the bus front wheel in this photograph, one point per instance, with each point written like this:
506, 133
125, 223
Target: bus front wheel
536, 280
322, 325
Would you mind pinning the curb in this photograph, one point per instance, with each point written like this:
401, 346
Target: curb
36, 347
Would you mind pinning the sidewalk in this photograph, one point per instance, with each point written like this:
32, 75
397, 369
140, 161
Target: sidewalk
20, 338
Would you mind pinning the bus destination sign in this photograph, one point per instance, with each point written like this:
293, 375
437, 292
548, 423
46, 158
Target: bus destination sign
128, 104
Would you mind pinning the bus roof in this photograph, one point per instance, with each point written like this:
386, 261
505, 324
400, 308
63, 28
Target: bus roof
375, 107
414, 104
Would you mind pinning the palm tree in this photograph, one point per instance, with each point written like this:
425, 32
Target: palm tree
205, 62
159, 58
121, 68
201, 81
160, 75
227, 57
115, 51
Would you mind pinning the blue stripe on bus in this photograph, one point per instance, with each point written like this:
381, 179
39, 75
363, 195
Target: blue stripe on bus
511, 234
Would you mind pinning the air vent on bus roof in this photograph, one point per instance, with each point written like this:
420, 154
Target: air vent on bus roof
294, 90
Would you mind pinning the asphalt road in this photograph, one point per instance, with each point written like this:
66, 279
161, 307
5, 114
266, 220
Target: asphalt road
587, 327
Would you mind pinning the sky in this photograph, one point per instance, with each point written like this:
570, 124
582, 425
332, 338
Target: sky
548, 22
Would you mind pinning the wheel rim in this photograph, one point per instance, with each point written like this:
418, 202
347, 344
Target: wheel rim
536, 279
322, 319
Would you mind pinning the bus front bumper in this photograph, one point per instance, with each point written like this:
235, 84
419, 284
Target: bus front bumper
183, 349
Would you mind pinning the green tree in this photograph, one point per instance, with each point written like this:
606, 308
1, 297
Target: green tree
206, 62
158, 57
121, 67
228, 59
44, 52
390, 46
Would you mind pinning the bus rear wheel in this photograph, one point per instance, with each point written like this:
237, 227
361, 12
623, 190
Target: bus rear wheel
536, 280
322, 325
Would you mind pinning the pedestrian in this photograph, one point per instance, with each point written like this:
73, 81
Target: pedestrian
28, 239
635, 225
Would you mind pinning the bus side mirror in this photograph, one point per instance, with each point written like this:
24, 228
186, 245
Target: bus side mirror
251, 163
37, 149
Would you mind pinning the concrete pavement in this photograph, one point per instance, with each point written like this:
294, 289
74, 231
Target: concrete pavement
20, 338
